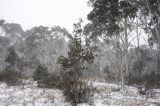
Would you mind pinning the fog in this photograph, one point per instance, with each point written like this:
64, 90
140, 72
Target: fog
31, 13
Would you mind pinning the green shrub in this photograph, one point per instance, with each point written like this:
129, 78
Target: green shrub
54, 81
75, 89
10, 76
45, 79
150, 81
41, 75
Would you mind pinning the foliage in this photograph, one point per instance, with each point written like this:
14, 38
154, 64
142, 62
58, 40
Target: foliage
109, 76
54, 81
12, 57
106, 15
75, 89
41, 76
73, 85
10, 76
43, 45
45, 79
150, 81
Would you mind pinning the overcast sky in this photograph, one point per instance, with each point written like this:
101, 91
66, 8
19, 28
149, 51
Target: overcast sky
30, 13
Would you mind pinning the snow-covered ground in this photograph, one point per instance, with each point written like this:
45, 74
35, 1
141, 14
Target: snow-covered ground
30, 95
106, 95
109, 95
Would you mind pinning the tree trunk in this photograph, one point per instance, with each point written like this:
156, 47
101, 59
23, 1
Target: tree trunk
125, 53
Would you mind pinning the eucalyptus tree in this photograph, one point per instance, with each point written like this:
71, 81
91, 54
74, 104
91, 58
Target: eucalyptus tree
150, 19
43, 45
110, 18
13, 32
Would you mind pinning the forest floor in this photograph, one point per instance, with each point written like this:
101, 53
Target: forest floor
106, 95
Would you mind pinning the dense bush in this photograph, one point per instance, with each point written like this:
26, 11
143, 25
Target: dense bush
70, 82
41, 76
150, 81
10, 76
45, 79
75, 89
52, 81
109, 76
40, 73
153, 81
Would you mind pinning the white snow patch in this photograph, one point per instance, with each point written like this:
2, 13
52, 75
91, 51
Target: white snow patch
106, 95
30, 95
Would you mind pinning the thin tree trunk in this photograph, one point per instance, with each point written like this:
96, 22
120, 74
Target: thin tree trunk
126, 53
117, 58
137, 31
138, 49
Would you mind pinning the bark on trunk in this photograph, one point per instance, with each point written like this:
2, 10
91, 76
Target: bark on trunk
126, 53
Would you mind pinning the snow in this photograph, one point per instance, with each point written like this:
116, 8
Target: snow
129, 97
30, 95
105, 95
